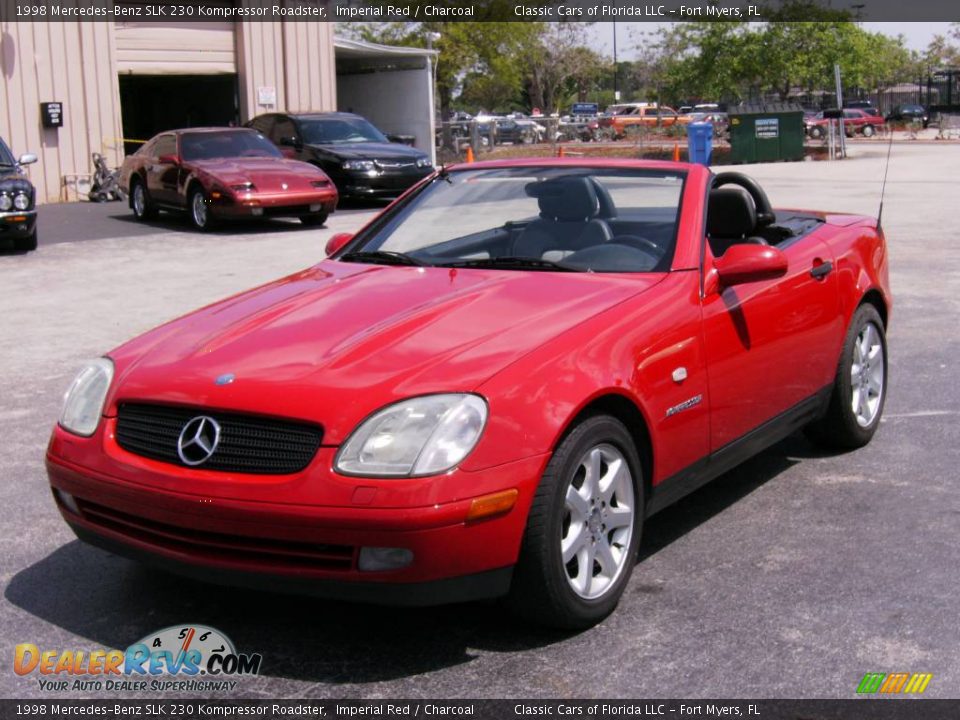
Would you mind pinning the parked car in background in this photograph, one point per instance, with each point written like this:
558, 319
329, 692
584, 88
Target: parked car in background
854, 121
18, 201
908, 113
638, 115
865, 105
361, 160
223, 173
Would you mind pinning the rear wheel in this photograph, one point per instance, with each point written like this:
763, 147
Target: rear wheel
314, 220
143, 209
583, 530
816, 133
860, 386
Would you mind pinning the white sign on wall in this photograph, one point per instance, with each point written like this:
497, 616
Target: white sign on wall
266, 96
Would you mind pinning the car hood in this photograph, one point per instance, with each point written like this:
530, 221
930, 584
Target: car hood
12, 179
339, 340
260, 171
371, 151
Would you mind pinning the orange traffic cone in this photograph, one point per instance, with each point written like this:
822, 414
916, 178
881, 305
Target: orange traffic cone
676, 152
469, 154
561, 152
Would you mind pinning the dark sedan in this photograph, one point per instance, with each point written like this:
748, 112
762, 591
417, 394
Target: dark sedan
18, 202
221, 173
908, 113
359, 158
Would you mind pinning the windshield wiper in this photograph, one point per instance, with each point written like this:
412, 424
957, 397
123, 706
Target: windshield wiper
512, 261
382, 257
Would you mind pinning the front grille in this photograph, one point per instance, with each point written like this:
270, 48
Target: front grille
247, 444
266, 553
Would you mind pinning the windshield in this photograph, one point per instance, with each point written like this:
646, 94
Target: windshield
6, 157
541, 218
226, 144
328, 131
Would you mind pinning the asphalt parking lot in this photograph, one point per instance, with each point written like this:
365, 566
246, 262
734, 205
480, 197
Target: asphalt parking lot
791, 576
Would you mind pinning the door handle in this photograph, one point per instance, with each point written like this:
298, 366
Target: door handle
822, 270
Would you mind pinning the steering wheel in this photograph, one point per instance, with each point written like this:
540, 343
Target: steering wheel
635, 240
765, 214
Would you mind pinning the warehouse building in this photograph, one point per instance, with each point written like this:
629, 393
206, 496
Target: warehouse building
73, 88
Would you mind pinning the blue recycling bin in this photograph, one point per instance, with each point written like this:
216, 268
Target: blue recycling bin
699, 142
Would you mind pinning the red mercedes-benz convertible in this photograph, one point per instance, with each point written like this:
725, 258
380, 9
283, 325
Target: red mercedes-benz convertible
224, 173
485, 391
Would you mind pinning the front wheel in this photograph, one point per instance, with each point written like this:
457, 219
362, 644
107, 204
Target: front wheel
816, 133
860, 386
314, 220
583, 530
868, 131
199, 207
27, 244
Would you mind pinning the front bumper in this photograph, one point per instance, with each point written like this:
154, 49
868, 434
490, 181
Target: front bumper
379, 183
254, 205
15, 225
300, 547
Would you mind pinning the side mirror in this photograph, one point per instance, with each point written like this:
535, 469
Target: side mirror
749, 263
291, 142
27, 159
168, 160
337, 242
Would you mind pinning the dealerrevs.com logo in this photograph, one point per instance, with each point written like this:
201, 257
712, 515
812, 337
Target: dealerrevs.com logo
187, 658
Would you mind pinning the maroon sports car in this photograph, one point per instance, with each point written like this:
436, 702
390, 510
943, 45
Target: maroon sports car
220, 173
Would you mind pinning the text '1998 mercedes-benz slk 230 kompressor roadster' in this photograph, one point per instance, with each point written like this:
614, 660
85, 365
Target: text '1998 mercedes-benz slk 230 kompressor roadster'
485, 391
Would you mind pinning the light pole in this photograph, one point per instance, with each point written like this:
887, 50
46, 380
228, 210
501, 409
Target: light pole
616, 68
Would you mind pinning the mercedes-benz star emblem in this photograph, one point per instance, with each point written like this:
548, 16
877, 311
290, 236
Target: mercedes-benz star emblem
198, 440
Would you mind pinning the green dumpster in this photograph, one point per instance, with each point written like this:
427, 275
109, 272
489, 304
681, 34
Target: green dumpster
766, 132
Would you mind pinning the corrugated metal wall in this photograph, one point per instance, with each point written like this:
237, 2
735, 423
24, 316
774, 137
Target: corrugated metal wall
175, 48
296, 59
69, 62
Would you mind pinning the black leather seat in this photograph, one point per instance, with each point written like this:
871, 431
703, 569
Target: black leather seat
731, 219
569, 219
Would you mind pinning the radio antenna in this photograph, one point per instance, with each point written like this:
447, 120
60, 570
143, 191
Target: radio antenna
883, 188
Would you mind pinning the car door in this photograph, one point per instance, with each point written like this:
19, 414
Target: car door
286, 137
770, 345
163, 171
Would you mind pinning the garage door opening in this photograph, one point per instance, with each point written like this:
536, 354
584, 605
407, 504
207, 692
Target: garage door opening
150, 104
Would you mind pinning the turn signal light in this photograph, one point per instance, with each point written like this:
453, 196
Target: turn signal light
491, 505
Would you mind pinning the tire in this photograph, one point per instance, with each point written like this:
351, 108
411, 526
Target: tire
816, 133
314, 220
859, 389
143, 209
547, 591
868, 131
198, 208
27, 244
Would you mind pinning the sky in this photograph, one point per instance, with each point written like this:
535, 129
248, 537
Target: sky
917, 34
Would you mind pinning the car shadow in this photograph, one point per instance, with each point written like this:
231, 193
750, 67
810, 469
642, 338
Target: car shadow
180, 222
115, 602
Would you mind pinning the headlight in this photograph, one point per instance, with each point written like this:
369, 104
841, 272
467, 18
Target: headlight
424, 162
358, 164
83, 401
21, 201
244, 187
6, 202
421, 436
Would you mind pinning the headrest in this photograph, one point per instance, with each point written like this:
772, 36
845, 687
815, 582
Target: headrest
571, 197
731, 213
608, 211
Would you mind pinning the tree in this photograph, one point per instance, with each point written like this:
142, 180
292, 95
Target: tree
465, 49
557, 61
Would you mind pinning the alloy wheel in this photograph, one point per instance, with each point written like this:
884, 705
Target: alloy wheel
866, 375
598, 522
